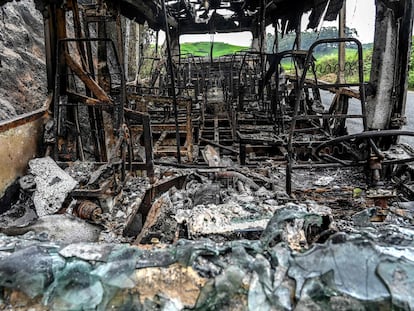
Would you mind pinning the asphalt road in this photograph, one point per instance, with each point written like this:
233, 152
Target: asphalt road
409, 113
355, 125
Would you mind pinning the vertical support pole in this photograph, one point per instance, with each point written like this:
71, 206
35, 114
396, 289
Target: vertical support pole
262, 33
242, 154
298, 39
171, 70
276, 40
380, 106
119, 108
341, 52
58, 30
149, 161
405, 42
61, 34
93, 112
127, 43
73, 5
289, 174
104, 80
50, 45
138, 56
189, 127
261, 27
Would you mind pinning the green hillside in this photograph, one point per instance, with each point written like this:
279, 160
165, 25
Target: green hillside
219, 49
203, 49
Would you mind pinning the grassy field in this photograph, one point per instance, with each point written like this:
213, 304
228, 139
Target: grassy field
326, 66
351, 66
411, 73
325, 63
203, 49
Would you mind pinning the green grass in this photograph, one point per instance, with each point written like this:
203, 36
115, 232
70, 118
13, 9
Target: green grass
330, 61
411, 72
327, 65
352, 58
203, 49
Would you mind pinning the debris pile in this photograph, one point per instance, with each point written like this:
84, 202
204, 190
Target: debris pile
227, 238
217, 185
369, 268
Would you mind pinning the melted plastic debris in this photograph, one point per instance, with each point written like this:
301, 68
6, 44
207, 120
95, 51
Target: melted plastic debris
369, 268
75, 288
30, 270
297, 256
118, 271
399, 277
356, 277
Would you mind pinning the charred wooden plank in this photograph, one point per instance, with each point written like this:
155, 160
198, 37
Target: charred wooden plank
89, 83
158, 99
144, 119
89, 101
210, 142
139, 215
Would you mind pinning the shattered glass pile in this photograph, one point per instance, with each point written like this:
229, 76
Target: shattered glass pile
286, 255
358, 271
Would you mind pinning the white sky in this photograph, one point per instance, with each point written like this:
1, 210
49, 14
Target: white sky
360, 15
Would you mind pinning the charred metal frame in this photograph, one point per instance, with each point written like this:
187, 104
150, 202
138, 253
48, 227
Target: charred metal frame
181, 20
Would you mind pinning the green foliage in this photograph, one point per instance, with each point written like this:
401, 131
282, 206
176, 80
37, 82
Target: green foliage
309, 37
324, 57
203, 49
411, 72
330, 61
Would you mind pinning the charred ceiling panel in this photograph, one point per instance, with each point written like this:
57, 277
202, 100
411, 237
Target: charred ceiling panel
228, 16
142, 11
323, 9
202, 16
333, 9
240, 140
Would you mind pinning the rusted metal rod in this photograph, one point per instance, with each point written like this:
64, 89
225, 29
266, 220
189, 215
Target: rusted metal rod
171, 69
89, 83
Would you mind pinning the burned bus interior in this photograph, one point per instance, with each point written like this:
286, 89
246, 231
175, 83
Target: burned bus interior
152, 179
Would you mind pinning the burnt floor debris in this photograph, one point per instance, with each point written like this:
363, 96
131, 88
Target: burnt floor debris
189, 183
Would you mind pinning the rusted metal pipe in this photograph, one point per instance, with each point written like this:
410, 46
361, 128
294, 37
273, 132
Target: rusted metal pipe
88, 210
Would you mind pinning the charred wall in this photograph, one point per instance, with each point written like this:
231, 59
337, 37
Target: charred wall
393, 28
22, 61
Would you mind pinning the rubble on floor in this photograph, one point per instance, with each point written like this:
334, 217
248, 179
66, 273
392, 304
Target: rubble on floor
52, 185
367, 269
227, 239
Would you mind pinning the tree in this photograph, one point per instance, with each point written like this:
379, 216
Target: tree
309, 37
